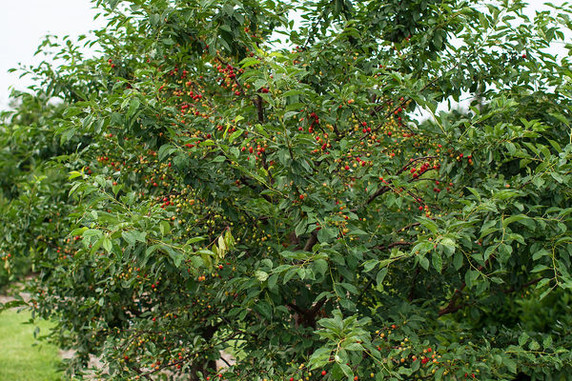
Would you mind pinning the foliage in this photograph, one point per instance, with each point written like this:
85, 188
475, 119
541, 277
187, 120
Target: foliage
292, 205
33, 198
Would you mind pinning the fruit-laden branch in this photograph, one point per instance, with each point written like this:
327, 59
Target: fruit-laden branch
171, 364
387, 188
411, 161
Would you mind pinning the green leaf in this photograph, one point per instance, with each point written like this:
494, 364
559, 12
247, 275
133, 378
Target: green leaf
348, 372
264, 308
290, 93
510, 364
319, 358
437, 261
261, 275
354, 347
107, 244
533, 345
326, 234
523, 338
320, 266
289, 275
301, 228
547, 342
249, 61
176, 257
421, 248
133, 236
194, 240
218, 159
429, 224
470, 278
449, 245
133, 107
165, 150
74, 174
235, 135
424, 262
350, 287
380, 277
272, 280
458, 259
370, 265
515, 218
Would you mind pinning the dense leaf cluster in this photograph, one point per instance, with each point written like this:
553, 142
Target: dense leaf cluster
302, 204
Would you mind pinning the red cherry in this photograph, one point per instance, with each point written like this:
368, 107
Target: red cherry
324, 373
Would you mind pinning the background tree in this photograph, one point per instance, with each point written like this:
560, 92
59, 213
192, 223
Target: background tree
288, 205
33, 198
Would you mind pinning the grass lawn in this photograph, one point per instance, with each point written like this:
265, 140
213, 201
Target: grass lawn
21, 360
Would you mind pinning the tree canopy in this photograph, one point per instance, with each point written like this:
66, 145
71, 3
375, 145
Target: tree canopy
274, 179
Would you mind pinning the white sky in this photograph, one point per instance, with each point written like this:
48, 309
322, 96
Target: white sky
24, 23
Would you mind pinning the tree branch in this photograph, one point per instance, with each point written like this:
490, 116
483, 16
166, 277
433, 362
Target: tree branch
452, 306
525, 285
312, 240
378, 193
258, 104
413, 161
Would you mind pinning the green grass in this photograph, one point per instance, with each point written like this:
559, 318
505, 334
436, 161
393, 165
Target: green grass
22, 357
